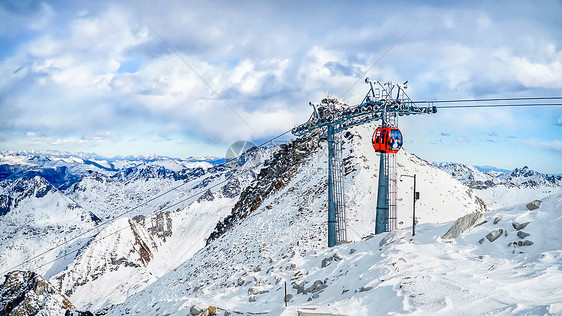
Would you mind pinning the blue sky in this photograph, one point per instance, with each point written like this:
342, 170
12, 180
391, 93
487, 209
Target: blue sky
93, 77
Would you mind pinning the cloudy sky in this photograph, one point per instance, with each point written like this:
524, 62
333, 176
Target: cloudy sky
94, 76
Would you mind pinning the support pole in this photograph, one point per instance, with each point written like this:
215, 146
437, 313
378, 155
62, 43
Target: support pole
414, 210
332, 205
381, 224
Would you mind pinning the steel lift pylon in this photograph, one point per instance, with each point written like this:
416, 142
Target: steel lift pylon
330, 118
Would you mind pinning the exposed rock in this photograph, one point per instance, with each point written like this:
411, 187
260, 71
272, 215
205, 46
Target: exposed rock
534, 205
240, 281
73, 312
275, 175
335, 257
299, 286
231, 189
257, 269
520, 226
315, 295
252, 299
257, 280
158, 224
481, 240
326, 262
365, 289
27, 293
256, 291
207, 196
492, 236
317, 286
288, 297
391, 237
496, 220
197, 309
352, 251
464, 224
526, 243
522, 234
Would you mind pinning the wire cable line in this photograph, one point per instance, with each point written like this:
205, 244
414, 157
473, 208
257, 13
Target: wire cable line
490, 100
202, 79
377, 61
464, 106
66, 242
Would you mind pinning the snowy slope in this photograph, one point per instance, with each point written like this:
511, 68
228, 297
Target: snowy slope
287, 231
132, 252
420, 275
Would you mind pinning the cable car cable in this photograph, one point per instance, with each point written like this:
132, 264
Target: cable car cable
377, 61
489, 100
498, 105
201, 78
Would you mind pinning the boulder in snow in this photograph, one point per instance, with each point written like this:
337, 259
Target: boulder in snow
534, 205
520, 226
197, 309
464, 224
299, 286
391, 237
240, 281
255, 291
497, 219
317, 286
288, 297
492, 236
521, 234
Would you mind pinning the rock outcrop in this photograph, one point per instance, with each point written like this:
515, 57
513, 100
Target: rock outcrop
534, 205
27, 293
464, 224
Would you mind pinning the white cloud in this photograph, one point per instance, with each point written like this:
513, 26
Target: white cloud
267, 65
542, 74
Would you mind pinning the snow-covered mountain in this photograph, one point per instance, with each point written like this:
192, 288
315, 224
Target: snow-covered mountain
502, 188
286, 220
281, 238
161, 239
36, 216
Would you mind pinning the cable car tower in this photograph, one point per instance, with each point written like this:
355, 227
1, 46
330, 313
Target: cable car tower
385, 101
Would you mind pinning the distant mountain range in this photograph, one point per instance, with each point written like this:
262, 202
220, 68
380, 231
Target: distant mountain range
486, 177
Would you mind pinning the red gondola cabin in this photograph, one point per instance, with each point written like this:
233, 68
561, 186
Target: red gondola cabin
387, 140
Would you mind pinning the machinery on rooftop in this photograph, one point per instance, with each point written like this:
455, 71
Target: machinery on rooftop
385, 101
